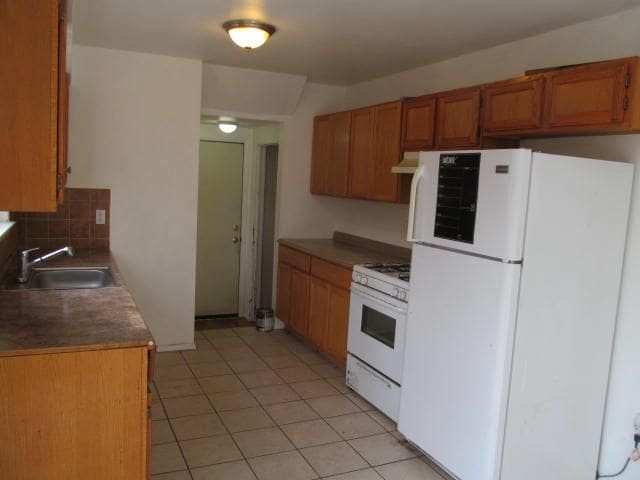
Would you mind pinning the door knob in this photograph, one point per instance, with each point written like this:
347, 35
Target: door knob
235, 228
235, 239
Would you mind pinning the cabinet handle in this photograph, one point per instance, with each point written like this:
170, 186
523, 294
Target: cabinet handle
68, 170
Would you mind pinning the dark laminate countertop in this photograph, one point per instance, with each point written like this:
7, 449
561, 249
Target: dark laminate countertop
348, 250
47, 321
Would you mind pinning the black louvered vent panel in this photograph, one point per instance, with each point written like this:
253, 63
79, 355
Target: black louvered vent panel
457, 196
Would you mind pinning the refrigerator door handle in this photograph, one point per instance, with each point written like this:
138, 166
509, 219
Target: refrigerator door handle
417, 176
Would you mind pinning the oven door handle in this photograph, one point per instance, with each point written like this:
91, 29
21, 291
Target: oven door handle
358, 290
373, 373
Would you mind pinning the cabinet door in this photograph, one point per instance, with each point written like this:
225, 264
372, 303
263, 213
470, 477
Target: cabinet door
513, 105
28, 105
419, 124
386, 151
321, 154
338, 324
361, 149
588, 95
283, 292
319, 299
63, 101
338, 175
458, 119
299, 301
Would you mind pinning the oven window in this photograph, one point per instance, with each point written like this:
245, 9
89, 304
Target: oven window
379, 326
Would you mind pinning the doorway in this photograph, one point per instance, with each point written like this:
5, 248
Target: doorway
220, 186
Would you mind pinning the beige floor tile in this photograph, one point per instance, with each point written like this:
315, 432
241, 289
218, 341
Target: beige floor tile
168, 359
291, 412
236, 353
201, 356
311, 433
313, 388
183, 406
297, 347
219, 333
386, 423
248, 331
178, 388
300, 373
224, 401
355, 425
380, 449
274, 394
312, 358
202, 370
328, 370
247, 364
221, 383
157, 410
279, 466
333, 458
260, 378
283, 361
166, 458
172, 372
207, 451
262, 442
261, 340
225, 342
360, 402
181, 475
366, 474
270, 349
246, 419
197, 426
412, 469
333, 406
239, 470
339, 384
161, 432
203, 344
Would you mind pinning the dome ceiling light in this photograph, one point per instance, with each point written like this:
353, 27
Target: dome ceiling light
248, 34
227, 127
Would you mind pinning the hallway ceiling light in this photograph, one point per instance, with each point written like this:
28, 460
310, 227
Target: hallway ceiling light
248, 34
227, 127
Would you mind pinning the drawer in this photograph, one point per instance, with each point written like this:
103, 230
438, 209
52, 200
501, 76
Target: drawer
332, 273
296, 259
373, 387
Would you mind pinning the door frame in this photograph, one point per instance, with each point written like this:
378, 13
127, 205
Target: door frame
245, 278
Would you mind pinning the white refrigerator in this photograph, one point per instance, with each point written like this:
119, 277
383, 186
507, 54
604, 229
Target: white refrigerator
515, 277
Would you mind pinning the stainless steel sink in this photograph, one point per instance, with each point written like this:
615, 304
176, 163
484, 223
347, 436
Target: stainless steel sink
67, 278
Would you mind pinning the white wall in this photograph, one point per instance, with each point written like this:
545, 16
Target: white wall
134, 124
609, 37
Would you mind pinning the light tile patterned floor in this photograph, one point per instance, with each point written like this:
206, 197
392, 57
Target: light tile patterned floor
264, 406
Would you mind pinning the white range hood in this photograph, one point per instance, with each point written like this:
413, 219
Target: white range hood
408, 164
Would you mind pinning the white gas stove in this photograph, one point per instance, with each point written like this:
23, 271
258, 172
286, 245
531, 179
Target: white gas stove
389, 278
377, 325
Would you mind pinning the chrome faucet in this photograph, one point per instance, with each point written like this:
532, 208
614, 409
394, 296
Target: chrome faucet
25, 268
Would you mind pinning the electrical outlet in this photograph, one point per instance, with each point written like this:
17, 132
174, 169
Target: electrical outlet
100, 217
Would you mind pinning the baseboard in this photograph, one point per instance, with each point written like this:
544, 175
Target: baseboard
176, 346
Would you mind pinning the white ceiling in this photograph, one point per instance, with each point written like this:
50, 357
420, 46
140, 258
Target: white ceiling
330, 41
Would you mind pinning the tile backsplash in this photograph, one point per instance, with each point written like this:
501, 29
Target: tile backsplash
73, 224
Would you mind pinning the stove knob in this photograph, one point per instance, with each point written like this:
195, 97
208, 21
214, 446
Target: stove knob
357, 277
364, 281
396, 293
402, 295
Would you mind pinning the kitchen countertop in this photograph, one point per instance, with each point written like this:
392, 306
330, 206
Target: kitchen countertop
348, 250
53, 321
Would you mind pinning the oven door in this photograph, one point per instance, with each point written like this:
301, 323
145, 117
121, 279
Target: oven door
377, 330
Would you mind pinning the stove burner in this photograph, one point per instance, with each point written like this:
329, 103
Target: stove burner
389, 267
404, 276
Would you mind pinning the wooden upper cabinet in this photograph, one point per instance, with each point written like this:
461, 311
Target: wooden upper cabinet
418, 132
338, 175
458, 118
513, 105
321, 154
386, 151
32, 118
588, 95
361, 152
64, 79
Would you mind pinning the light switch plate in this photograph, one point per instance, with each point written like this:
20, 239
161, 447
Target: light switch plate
100, 217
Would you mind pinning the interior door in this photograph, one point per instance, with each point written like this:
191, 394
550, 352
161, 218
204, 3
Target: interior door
219, 220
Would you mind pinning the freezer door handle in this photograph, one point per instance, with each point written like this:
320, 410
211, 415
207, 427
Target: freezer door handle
417, 176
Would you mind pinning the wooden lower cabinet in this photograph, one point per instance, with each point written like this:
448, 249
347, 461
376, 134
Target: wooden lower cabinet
75, 415
315, 303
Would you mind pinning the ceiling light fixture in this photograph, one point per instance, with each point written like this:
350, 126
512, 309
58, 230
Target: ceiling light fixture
248, 34
227, 127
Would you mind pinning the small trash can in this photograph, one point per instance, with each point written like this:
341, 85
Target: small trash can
264, 319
